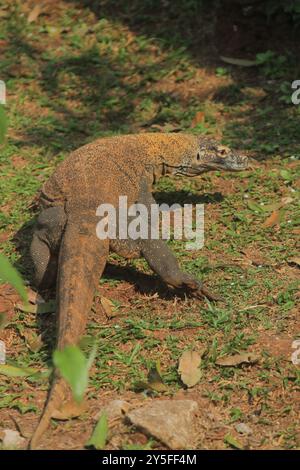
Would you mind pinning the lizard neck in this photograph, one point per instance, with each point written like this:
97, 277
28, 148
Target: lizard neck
166, 152
161, 169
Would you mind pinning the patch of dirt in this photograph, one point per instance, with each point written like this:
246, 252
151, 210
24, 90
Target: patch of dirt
276, 345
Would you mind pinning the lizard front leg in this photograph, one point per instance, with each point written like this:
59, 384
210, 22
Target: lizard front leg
162, 260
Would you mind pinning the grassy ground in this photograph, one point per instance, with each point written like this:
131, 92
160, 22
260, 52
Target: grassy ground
76, 73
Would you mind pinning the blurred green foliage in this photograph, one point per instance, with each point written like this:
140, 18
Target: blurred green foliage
3, 124
290, 7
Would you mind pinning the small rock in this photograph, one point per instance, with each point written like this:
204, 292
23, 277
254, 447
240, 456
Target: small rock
243, 428
2, 353
169, 421
114, 409
12, 439
295, 357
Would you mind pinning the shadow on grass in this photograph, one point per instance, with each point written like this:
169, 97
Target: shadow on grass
101, 100
186, 24
185, 197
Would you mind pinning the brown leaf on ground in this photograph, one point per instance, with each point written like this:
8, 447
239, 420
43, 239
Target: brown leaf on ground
188, 368
238, 359
253, 256
273, 219
5, 305
34, 342
286, 200
108, 307
198, 119
294, 261
154, 381
35, 13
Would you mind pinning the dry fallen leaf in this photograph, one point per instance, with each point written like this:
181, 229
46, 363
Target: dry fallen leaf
35, 13
188, 368
253, 256
295, 260
198, 119
108, 307
272, 220
34, 342
154, 381
286, 200
238, 359
69, 410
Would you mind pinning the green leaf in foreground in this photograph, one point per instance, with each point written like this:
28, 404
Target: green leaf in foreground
9, 274
99, 436
286, 175
3, 124
47, 307
230, 440
13, 371
74, 367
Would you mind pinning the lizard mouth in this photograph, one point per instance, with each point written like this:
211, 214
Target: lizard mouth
189, 171
231, 163
234, 163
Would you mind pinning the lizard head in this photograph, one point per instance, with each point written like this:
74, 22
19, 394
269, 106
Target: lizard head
211, 155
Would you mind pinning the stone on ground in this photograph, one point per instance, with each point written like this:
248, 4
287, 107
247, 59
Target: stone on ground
169, 421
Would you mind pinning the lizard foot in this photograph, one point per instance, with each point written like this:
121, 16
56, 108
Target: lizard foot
197, 289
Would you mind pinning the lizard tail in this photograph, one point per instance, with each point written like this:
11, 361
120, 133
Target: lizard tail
57, 395
82, 259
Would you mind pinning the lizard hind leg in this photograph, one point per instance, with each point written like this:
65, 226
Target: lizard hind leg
45, 245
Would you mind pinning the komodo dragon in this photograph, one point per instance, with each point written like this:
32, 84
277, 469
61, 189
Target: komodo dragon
65, 248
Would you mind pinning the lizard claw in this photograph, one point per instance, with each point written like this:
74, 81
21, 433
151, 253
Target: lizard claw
199, 291
204, 292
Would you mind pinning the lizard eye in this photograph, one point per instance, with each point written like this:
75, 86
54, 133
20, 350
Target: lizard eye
222, 150
198, 156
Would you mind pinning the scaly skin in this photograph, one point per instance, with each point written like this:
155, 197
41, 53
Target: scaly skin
65, 247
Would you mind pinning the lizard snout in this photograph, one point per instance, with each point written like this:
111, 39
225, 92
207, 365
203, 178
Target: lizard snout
238, 162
